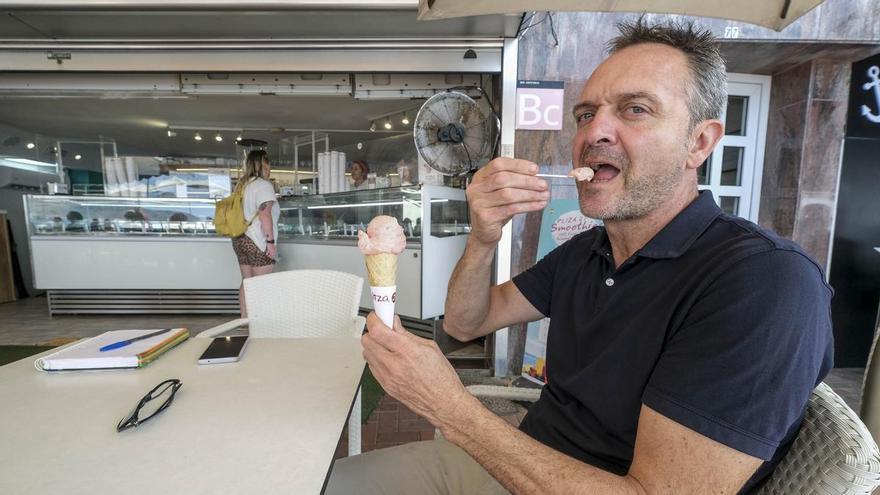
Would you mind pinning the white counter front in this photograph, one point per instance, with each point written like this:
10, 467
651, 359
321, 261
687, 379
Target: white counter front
68, 262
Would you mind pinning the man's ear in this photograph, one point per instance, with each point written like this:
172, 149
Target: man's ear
704, 137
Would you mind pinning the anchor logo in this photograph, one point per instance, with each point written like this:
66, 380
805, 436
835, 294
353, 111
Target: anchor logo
874, 83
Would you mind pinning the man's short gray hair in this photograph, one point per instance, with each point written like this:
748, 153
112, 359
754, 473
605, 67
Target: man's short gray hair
707, 88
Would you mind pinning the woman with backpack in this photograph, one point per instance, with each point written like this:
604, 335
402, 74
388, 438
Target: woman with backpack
256, 249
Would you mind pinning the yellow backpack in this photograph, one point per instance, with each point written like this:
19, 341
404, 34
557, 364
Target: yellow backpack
229, 214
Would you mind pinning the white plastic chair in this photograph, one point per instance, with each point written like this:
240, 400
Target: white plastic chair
303, 304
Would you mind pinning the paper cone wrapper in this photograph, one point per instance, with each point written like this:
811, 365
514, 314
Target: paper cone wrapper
382, 269
383, 303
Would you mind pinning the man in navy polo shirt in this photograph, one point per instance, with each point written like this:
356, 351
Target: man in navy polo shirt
684, 342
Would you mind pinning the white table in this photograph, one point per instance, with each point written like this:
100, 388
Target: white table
267, 424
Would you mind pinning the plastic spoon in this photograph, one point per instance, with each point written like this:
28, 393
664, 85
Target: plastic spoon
554, 176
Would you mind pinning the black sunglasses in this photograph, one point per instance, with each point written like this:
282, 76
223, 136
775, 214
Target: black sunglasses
162, 395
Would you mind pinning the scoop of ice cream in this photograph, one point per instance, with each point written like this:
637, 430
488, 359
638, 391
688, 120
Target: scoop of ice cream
582, 173
383, 235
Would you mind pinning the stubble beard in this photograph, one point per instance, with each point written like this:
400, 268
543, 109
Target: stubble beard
641, 194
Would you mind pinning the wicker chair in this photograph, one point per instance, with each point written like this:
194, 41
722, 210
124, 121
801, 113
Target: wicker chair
833, 454
304, 304
870, 405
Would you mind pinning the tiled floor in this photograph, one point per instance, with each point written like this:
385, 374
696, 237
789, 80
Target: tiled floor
27, 322
392, 424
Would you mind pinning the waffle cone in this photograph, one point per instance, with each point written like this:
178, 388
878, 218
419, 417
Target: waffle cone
382, 269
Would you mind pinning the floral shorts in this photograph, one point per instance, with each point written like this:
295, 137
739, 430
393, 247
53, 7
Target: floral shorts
248, 253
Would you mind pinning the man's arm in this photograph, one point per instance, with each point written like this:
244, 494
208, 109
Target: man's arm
668, 457
499, 190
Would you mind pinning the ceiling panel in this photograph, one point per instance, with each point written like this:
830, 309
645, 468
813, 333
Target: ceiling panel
260, 25
139, 126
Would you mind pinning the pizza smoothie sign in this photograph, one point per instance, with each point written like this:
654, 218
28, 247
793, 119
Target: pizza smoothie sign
561, 220
568, 225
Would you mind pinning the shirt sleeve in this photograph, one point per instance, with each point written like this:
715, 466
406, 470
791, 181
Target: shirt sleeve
536, 283
263, 191
751, 349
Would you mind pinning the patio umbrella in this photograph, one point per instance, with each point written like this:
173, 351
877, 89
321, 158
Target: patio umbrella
774, 14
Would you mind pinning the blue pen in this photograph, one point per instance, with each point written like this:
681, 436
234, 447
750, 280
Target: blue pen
123, 343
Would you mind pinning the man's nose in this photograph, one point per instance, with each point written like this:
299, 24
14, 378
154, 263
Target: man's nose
601, 130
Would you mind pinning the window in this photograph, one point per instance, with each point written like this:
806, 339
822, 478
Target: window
733, 171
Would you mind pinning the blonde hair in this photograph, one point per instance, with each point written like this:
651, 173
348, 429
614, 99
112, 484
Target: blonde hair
253, 167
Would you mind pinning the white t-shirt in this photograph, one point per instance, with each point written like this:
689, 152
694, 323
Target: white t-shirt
362, 186
256, 193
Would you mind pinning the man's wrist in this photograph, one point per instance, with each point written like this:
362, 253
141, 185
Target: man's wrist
456, 413
480, 249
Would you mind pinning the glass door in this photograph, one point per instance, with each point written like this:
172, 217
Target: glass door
733, 171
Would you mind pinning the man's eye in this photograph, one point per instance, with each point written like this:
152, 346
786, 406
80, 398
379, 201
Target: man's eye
584, 117
636, 109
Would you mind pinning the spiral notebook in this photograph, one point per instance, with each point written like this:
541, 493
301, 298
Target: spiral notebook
86, 355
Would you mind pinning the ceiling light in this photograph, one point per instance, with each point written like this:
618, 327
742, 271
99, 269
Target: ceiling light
238, 138
218, 137
372, 127
77, 157
30, 146
197, 137
387, 123
405, 119
171, 133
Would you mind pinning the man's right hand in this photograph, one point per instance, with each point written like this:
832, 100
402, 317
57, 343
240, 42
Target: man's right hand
500, 190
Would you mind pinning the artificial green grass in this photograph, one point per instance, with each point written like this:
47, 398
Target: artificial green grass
10, 353
371, 391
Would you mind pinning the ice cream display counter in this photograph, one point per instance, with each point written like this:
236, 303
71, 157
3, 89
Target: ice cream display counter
149, 255
321, 232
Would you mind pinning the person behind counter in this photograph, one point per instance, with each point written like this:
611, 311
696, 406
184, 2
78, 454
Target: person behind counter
256, 249
359, 171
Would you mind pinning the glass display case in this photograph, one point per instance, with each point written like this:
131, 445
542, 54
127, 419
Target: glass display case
105, 244
320, 232
105, 216
339, 216
336, 216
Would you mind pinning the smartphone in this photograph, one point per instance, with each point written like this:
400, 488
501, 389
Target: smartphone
224, 350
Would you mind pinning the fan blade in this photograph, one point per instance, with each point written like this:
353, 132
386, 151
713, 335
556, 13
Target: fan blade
478, 146
450, 115
426, 136
437, 120
438, 164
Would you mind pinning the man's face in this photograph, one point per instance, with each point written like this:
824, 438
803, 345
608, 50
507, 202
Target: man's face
633, 130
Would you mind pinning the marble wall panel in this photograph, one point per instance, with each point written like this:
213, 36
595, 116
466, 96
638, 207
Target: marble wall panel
812, 230
782, 155
823, 144
831, 80
783, 215
790, 87
771, 57
832, 21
